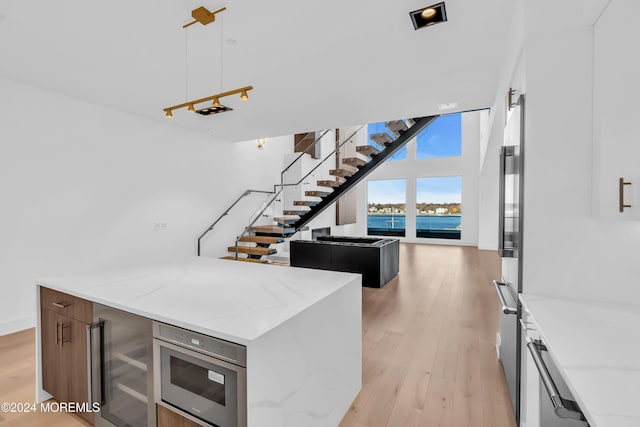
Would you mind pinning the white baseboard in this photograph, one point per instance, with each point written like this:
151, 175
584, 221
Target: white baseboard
17, 325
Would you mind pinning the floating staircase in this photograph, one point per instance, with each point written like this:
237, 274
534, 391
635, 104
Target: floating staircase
352, 171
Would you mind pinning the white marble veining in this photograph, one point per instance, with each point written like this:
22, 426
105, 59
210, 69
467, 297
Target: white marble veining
302, 328
596, 349
234, 301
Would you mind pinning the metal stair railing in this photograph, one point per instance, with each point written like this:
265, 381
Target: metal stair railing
226, 212
248, 192
282, 185
336, 193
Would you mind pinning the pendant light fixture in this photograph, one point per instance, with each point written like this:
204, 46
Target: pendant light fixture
203, 16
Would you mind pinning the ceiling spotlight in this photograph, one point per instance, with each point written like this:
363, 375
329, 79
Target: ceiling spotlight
216, 103
428, 16
191, 109
261, 142
169, 114
244, 95
428, 13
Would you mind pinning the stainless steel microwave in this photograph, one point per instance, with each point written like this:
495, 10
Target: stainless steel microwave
200, 376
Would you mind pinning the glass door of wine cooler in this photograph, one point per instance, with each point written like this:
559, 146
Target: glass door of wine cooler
124, 371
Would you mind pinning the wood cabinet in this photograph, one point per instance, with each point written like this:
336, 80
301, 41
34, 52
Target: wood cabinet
64, 321
169, 418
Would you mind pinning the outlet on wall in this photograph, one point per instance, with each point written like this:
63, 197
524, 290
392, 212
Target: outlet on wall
160, 226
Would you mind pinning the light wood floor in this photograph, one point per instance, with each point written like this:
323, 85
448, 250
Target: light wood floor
429, 354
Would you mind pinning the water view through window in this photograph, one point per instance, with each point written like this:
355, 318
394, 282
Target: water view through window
387, 207
439, 207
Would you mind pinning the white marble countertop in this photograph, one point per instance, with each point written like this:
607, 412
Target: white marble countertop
596, 348
234, 301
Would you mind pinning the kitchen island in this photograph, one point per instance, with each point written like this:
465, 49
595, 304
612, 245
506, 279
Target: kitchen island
301, 328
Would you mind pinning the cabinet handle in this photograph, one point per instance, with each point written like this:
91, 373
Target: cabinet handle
505, 308
621, 184
62, 326
60, 304
57, 332
96, 380
563, 408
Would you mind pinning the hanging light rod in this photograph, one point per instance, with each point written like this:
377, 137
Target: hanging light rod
203, 16
216, 98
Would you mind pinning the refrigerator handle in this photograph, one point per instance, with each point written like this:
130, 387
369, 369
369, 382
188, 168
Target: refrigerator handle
501, 207
563, 408
503, 302
96, 380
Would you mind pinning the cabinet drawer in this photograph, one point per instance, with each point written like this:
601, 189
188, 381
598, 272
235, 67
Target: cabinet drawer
76, 308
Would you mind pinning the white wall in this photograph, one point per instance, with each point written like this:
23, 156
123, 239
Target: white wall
511, 77
558, 149
83, 185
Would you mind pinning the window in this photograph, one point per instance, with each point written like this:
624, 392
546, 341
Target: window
443, 138
373, 128
439, 207
387, 207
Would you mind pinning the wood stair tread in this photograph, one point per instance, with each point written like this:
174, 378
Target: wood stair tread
305, 203
271, 229
367, 150
341, 172
397, 127
286, 219
295, 212
328, 183
381, 138
316, 193
262, 239
354, 161
253, 250
233, 258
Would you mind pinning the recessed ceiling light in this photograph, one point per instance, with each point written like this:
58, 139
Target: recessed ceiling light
428, 16
428, 13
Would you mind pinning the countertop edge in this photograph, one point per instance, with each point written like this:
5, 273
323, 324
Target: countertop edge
203, 330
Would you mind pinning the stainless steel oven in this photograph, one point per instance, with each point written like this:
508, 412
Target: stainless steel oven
200, 376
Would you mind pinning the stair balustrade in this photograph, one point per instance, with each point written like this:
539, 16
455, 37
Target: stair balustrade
316, 190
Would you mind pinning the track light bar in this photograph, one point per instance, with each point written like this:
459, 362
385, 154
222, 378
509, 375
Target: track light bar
215, 98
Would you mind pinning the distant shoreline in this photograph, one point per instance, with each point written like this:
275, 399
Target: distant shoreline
404, 214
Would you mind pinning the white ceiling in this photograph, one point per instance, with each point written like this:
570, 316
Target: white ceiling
314, 65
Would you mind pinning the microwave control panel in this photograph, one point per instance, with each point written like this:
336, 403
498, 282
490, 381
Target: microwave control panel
211, 346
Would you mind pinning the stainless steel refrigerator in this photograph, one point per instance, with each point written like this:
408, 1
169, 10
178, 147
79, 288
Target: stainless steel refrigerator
510, 247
